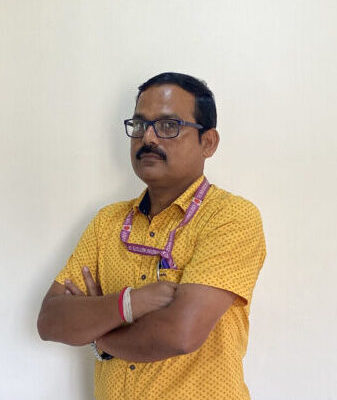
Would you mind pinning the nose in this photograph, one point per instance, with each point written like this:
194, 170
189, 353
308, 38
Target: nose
150, 136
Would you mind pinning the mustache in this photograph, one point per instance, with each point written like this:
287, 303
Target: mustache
150, 149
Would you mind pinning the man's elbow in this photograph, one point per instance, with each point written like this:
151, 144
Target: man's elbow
44, 326
189, 346
50, 331
40, 329
188, 341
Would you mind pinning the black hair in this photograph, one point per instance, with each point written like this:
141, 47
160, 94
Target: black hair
205, 109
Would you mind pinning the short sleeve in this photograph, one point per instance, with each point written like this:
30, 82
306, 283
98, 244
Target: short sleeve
85, 254
230, 251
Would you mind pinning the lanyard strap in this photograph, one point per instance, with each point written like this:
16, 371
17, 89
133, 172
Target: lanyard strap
166, 252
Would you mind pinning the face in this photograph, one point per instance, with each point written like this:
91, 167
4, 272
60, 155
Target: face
182, 158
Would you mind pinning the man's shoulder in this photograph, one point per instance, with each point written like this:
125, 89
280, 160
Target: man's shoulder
116, 210
232, 205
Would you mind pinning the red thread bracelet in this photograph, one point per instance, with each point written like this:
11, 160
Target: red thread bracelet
120, 304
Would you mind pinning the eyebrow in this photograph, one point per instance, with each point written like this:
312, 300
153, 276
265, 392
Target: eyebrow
161, 116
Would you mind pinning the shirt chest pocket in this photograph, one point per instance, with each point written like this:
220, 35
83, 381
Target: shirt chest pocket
172, 275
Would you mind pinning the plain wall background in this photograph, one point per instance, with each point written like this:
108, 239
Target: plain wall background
68, 77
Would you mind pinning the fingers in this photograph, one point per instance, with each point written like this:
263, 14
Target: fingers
99, 290
168, 285
73, 289
92, 288
172, 284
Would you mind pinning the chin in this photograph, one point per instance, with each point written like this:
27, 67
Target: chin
149, 175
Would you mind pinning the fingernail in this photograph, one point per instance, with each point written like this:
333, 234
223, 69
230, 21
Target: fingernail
85, 269
67, 281
68, 291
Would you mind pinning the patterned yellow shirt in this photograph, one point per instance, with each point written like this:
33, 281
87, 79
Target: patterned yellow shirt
222, 246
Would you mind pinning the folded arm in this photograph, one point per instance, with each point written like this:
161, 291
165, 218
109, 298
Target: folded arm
180, 328
69, 316
76, 320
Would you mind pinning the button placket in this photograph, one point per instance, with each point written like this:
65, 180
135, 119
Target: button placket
130, 381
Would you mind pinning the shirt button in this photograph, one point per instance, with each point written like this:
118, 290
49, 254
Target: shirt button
132, 367
151, 234
143, 277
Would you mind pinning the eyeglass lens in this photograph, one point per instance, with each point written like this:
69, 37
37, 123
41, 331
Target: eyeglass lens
163, 127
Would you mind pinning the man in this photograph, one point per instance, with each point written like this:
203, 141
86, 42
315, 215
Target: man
187, 334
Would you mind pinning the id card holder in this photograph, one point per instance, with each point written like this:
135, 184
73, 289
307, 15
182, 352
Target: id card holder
161, 266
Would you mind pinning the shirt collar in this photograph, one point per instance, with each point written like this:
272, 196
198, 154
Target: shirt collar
184, 200
142, 203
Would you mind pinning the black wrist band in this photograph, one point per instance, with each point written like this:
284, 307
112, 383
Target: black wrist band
106, 356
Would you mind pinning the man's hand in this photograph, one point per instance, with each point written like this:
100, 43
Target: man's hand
152, 297
149, 298
93, 288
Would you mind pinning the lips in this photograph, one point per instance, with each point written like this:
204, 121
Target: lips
150, 156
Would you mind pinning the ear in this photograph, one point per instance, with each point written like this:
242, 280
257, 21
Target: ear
209, 142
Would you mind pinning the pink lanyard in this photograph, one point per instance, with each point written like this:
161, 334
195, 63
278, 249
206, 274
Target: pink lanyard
167, 260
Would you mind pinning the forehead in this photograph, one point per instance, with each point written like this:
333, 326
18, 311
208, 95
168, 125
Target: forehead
168, 99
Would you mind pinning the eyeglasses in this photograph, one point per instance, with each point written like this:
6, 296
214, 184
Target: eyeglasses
163, 128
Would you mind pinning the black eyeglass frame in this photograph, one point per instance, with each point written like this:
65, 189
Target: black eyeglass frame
152, 123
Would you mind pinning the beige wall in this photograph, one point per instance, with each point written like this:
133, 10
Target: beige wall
68, 77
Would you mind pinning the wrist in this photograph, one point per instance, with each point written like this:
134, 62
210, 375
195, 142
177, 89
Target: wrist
136, 303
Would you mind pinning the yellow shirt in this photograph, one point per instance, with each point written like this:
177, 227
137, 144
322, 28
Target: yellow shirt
222, 246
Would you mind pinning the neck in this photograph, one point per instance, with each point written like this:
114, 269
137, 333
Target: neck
162, 197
